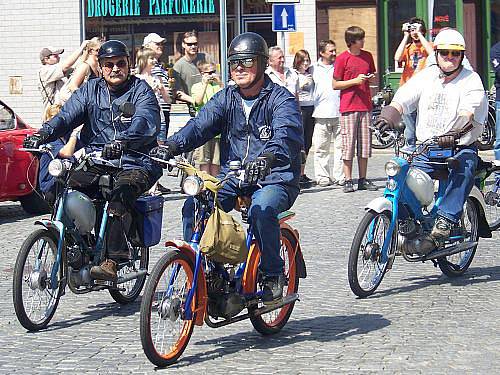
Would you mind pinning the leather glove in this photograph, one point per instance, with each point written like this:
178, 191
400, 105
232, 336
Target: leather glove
389, 119
165, 152
113, 150
258, 169
35, 140
446, 141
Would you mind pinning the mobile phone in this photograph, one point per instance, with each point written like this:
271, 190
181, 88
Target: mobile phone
370, 75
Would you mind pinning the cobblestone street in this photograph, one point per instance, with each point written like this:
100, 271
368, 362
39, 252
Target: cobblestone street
418, 321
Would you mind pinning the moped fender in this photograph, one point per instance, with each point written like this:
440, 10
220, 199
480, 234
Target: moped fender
379, 205
299, 258
484, 230
201, 283
51, 225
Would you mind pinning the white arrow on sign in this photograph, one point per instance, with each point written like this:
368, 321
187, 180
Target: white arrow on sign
284, 18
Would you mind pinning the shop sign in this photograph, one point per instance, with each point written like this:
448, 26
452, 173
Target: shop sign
145, 8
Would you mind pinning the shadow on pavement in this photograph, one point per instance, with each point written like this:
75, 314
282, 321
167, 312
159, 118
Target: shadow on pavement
473, 275
94, 313
317, 329
10, 213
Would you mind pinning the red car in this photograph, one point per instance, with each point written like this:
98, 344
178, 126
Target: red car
18, 169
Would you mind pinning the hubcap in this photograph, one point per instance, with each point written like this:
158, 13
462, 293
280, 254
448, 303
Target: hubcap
371, 251
38, 280
170, 309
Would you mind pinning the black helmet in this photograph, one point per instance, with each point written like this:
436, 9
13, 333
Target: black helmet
112, 48
248, 45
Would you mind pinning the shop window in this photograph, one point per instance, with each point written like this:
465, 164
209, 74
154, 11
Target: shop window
443, 15
256, 7
399, 12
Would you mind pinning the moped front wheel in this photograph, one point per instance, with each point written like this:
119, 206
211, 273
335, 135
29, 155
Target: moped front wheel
35, 298
456, 264
366, 268
128, 291
274, 321
165, 332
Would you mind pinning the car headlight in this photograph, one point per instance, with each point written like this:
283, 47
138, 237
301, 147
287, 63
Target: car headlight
192, 185
392, 168
56, 167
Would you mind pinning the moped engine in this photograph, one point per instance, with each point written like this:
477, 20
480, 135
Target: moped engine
80, 277
408, 231
223, 300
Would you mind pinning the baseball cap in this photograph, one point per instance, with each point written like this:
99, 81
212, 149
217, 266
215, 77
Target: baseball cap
47, 51
153, 38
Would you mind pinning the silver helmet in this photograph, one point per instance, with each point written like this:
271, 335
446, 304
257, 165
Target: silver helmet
81, 211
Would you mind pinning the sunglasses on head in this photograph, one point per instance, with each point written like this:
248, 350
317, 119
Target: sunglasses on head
445, 53
191, 44
110, 65
245, 63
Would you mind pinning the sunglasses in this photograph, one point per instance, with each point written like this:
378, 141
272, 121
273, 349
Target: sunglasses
210, 72
446, 53
191, 44
245, 63
110, 65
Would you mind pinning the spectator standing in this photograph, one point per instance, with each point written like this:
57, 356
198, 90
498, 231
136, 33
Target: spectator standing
280, 74
156, 43
354, 69
412, 52
87, 68
208, 155
187, 73
304, 69
495, 63
145, 63
326, 115
52, 74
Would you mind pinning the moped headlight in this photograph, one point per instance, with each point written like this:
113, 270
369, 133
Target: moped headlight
392, 168
56, 167
192, 185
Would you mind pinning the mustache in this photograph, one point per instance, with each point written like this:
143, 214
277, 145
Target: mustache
117, 74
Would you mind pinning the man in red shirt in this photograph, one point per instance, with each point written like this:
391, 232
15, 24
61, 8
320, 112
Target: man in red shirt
354, 69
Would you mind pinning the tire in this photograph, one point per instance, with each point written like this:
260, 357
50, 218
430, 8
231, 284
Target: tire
369, 261
491, 192
487, 138
380, 141
34, 204
274, 321
30, 282
151, 315
456, 264
133, 287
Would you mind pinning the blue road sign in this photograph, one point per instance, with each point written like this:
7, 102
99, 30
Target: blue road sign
284, 17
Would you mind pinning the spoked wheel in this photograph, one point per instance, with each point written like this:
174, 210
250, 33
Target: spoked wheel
487, 138
491, 193
382, 141
456, 264
366, 269
128, 291
274, 321
35, 299
164, 331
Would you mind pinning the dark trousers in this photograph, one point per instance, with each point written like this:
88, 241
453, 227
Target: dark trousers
128, 185
308, 124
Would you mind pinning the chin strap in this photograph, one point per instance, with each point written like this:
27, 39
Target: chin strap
447, 74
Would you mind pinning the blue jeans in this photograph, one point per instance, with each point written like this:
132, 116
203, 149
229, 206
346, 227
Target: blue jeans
460, 181
267, 203
410, 132
496, 147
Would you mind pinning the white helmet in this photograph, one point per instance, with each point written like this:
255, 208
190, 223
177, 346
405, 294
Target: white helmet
449, 39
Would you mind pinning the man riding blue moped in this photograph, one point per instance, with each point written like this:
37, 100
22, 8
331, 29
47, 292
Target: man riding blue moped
452, 107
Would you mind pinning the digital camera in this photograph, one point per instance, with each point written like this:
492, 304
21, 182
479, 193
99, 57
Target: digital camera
410, 27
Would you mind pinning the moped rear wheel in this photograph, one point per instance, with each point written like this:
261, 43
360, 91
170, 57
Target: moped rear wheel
35, 299
274, 321
165, 332
365, 268
129, 291
456, 264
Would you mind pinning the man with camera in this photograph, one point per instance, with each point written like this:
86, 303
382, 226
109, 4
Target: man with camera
412, 53
100, 105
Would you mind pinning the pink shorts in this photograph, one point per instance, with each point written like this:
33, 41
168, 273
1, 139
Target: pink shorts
356, 134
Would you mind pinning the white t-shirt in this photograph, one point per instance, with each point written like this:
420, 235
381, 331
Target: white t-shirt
247, 106
291, 81
326, 99
306, 88
439, 103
